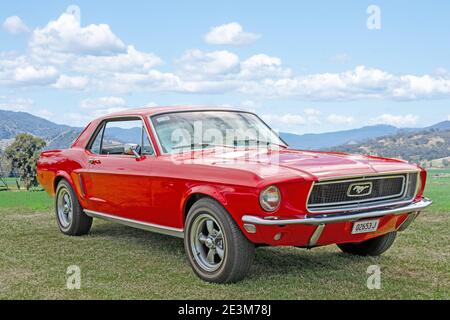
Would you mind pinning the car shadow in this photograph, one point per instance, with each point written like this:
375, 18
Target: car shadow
138, 237
270, 262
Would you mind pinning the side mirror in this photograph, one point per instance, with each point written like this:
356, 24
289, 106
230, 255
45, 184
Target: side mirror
132, 149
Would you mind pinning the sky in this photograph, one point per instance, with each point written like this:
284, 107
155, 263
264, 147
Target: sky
304, 66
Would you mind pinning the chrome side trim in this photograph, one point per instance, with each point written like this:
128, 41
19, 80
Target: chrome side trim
175, 232
316, 235
330, 218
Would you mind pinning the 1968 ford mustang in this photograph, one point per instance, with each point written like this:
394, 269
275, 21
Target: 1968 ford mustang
226, 183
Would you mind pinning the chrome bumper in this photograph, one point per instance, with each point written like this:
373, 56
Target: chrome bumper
322, 220
319, 219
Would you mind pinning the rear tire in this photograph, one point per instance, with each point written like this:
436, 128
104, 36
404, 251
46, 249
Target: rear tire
216, 248
70, 216
372, 247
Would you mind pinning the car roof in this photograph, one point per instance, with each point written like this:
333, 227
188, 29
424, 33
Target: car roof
149, 111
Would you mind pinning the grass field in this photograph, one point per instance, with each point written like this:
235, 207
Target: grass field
125, 263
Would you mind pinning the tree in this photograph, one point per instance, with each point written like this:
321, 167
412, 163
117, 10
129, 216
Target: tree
5, 170
23, 154
445, 163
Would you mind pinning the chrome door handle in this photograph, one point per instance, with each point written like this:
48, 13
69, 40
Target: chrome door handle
94, 161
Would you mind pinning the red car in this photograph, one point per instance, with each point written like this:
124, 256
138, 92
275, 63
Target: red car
226, 183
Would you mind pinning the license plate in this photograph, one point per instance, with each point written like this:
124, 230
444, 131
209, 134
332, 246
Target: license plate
365, 226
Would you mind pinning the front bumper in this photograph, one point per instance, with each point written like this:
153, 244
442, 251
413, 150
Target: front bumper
320, 221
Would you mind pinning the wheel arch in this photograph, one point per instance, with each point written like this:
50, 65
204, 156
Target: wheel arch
62, 175
201, 192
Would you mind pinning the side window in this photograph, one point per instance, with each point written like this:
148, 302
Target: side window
117, 133
147, 149
97, 144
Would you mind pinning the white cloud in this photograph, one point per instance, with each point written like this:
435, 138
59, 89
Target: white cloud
263, 66
421, 87
15, 104
15, 25
32, 75
18, 71
231, 33
65, 35
285, 119
196, 63
360, 83
130, 61
353, 84
340, 120
68, 82
65, 55
151, 81
395, 120
103, 103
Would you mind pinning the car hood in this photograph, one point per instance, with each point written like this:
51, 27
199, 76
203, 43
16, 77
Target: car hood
311, 164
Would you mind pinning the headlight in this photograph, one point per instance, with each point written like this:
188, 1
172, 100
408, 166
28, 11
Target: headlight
270, 198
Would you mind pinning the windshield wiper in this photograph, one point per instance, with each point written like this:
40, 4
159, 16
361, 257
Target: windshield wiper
258, 142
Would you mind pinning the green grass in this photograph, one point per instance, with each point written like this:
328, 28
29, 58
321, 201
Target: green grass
32, 201
125, 263
438, 189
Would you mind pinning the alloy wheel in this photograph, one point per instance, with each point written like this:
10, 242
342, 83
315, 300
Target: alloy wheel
65, 208
207, 243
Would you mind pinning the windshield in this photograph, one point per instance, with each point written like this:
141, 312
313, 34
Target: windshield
193, 130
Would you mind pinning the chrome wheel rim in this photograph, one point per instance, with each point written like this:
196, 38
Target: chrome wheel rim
207, 243
65, 208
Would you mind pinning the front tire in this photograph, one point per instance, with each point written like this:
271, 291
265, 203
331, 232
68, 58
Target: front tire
69, 214
372, 247
216, 248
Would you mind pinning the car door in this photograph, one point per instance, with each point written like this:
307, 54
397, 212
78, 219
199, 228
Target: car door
117, 183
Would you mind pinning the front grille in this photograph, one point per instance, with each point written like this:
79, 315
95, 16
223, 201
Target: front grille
361, 191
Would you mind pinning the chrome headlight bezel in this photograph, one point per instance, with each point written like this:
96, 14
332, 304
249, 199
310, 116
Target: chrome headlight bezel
270, 205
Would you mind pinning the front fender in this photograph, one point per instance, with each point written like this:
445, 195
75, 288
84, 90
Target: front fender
236, 200
204, 190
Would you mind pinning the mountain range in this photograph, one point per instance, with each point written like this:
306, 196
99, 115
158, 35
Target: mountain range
56, 135
368, 139
318, 141
417, 146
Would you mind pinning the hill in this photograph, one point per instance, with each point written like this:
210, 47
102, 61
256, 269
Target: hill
317, 141
411, 143
56, 135
444, 125
417, 147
